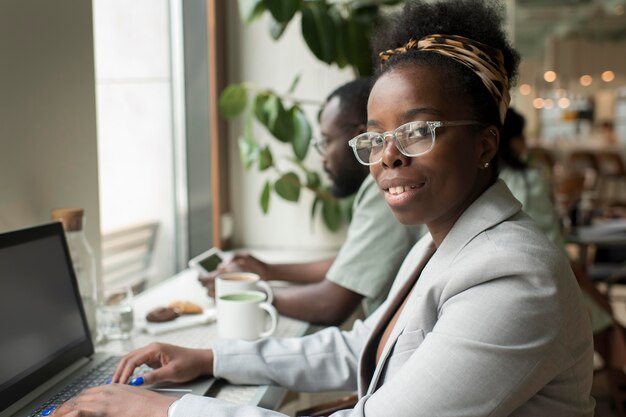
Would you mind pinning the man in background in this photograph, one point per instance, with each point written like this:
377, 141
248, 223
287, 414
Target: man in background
375, 246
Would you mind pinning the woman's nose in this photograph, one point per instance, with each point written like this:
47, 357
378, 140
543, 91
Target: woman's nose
392, 157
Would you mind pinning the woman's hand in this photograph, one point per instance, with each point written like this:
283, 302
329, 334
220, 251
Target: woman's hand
115, 401
170, 363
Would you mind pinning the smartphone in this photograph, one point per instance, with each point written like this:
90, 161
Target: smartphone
207, 261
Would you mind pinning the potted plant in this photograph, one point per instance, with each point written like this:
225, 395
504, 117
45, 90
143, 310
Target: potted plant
337, 33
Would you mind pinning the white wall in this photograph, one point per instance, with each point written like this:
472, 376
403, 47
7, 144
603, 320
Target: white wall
134, 89
255, 57
48, 149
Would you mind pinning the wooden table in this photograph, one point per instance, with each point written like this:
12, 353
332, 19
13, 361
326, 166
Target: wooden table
609, 233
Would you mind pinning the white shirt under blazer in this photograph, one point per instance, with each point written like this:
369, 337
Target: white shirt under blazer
494, 326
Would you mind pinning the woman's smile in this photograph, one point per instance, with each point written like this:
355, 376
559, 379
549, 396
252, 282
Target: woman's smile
402, 193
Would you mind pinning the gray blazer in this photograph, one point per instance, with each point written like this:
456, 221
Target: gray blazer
494, 326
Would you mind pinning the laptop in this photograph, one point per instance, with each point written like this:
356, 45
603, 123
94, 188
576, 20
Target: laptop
45, 345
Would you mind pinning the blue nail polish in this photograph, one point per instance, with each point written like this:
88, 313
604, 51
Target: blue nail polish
136, 381
108, 381
48, 411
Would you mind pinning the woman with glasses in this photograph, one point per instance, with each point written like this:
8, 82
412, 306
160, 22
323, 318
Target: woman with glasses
485, 317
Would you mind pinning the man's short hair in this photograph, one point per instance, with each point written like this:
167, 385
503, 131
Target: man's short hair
353, 97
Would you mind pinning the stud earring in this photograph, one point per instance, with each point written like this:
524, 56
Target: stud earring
493, 132
486, 165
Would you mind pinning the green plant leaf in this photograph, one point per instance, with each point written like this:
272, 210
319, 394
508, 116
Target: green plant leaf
258, 106
365, 8
277, 29
265, 197
248, 150
282, 10
247, 127
359, 49
331, 214
283, 127
294, 84
249, 10
313, 179
314, 205
233, 100
357, 42
265, 159
301, 133
272, 108
288, 187
318, 30
342, 43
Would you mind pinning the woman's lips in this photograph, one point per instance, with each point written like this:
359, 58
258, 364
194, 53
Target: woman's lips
400, 189
400, 194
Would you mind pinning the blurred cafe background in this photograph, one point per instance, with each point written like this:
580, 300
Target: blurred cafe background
572, 91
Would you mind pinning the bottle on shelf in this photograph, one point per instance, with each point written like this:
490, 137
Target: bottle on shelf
73, 220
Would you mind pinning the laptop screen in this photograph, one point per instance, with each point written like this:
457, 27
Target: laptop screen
42, 321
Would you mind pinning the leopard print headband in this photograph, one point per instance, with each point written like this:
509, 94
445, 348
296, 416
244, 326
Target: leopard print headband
485, 61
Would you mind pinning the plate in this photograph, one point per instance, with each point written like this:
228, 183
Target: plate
181, 322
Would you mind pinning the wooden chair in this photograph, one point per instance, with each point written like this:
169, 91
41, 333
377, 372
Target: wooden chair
584, 162
127, 256
580, 161
611, 178
568, 191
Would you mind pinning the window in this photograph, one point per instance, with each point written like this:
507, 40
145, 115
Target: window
153, 130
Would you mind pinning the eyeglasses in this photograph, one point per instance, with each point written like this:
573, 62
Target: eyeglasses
412, 139
320, 145
335, 134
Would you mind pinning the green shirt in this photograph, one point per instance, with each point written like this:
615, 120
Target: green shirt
374, 249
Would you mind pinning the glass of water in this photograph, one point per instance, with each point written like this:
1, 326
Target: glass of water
115, 314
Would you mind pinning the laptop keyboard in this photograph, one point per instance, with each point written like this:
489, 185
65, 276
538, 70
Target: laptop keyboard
96, 376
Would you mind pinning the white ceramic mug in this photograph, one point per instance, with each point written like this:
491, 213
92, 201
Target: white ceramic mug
242, 316
235, 282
